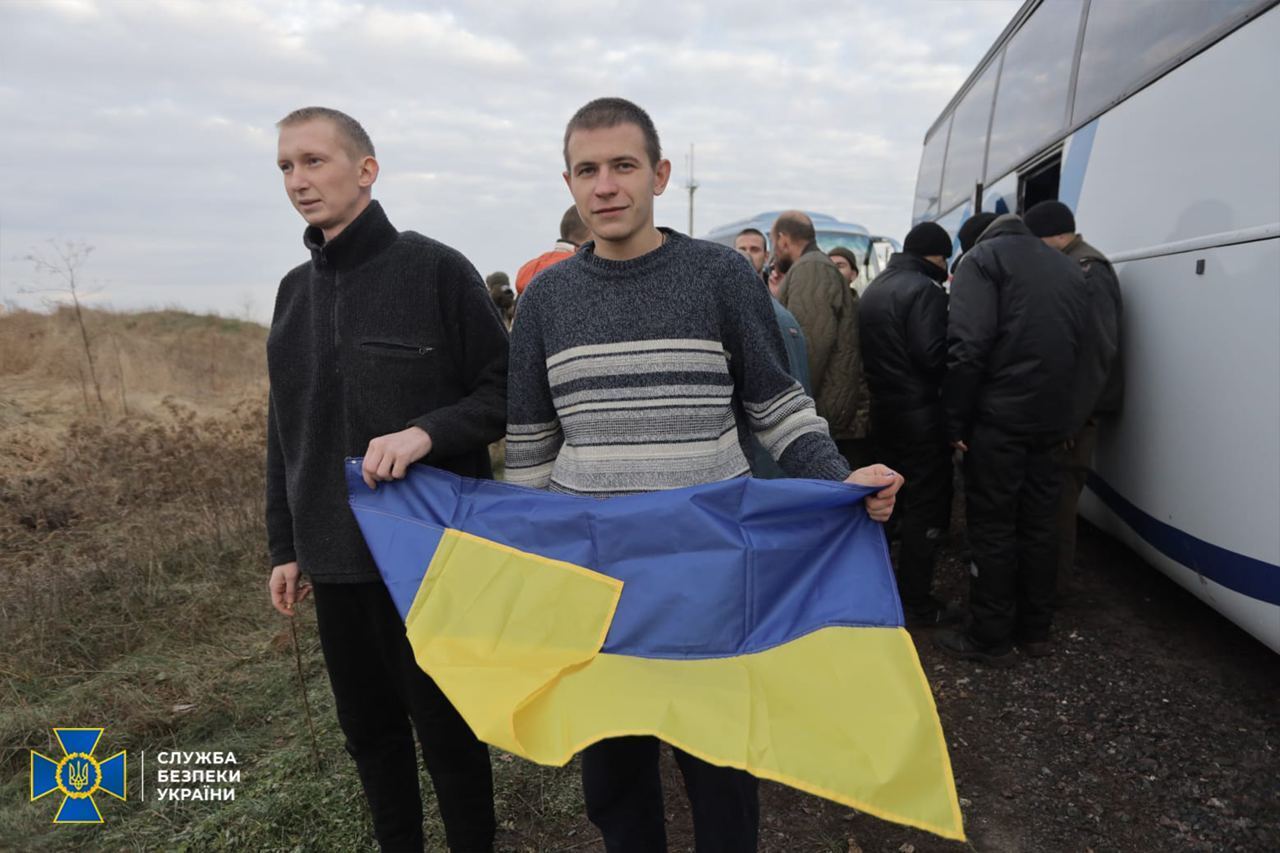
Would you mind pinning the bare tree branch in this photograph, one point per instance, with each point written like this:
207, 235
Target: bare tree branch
63, 261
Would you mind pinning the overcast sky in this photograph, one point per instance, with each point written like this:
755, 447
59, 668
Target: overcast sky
146, 127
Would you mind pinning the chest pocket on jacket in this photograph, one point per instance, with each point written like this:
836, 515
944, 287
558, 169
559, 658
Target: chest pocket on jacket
395, 349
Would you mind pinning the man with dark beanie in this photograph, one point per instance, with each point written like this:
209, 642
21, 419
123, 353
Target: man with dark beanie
846, 262
1017, 310
640, 364
903, 324
972, 229
1099, 386
385, 344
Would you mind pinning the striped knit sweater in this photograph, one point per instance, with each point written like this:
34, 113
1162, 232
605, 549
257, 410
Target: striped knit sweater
641, 375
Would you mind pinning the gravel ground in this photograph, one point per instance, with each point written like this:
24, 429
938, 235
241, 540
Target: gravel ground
1155, 726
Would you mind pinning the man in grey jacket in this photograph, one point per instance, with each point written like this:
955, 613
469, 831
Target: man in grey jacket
827, 308
1099, 387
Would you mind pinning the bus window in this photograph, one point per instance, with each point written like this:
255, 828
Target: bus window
1031, 105
968, 146
1125, 42
1040, 182
929, 181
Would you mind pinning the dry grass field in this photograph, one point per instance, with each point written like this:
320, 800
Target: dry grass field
133, 596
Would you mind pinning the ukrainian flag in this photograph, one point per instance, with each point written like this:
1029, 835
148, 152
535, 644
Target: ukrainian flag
752, 623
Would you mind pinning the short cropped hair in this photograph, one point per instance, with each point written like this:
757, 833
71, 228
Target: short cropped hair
756, 231
572, 228
354, 137
795, 225
611, 112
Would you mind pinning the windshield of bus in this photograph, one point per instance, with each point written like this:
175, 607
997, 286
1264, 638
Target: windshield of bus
856, 243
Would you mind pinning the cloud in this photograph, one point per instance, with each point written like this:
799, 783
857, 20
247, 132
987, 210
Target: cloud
147, 129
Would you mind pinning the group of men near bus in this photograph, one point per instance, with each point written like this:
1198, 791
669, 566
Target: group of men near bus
387, 345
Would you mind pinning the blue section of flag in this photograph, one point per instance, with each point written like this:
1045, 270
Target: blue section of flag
113, 775
44, 775
408, 545
710, 571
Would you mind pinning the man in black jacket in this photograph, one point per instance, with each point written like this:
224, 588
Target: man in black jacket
903, 331
385, 344
1017, 310
1099, 379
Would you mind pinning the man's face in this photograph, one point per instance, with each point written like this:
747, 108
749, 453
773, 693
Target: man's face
842, 264
326, 184
752, 246
1058, 241
784, 251
613, 183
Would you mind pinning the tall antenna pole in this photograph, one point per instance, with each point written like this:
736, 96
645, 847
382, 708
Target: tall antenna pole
691, 186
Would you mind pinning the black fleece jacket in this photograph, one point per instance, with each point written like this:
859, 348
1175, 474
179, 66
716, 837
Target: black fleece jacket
1018, 309
380, 331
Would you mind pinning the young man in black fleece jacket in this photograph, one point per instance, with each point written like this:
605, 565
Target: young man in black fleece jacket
385, 344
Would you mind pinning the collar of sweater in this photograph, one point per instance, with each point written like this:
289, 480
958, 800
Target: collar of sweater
367, 235
634, 266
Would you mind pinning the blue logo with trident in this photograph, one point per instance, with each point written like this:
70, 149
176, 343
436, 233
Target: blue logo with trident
78, 776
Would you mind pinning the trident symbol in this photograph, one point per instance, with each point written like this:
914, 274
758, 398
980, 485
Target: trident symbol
78, 772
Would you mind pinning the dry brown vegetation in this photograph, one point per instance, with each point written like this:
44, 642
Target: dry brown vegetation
133, 595
141, 359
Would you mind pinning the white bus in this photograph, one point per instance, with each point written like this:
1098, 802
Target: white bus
1158, 123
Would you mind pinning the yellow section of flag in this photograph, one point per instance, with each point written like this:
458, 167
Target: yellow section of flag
514, 640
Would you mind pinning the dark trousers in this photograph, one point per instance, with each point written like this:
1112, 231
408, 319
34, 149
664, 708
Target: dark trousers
923, 510
379, 690
1012, 488
623, 791
1075, 470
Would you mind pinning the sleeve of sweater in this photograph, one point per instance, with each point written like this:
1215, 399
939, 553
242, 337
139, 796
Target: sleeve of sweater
534, 436
971, 333
778, 411
279, 516
478, 344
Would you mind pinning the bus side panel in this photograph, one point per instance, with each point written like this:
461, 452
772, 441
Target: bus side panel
1193, 154
1197, 445
1259, 618
1196, 452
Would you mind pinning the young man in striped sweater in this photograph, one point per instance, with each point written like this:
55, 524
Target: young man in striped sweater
628, 363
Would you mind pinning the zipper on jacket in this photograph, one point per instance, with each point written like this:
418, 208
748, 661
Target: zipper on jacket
334, 319
396, 347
